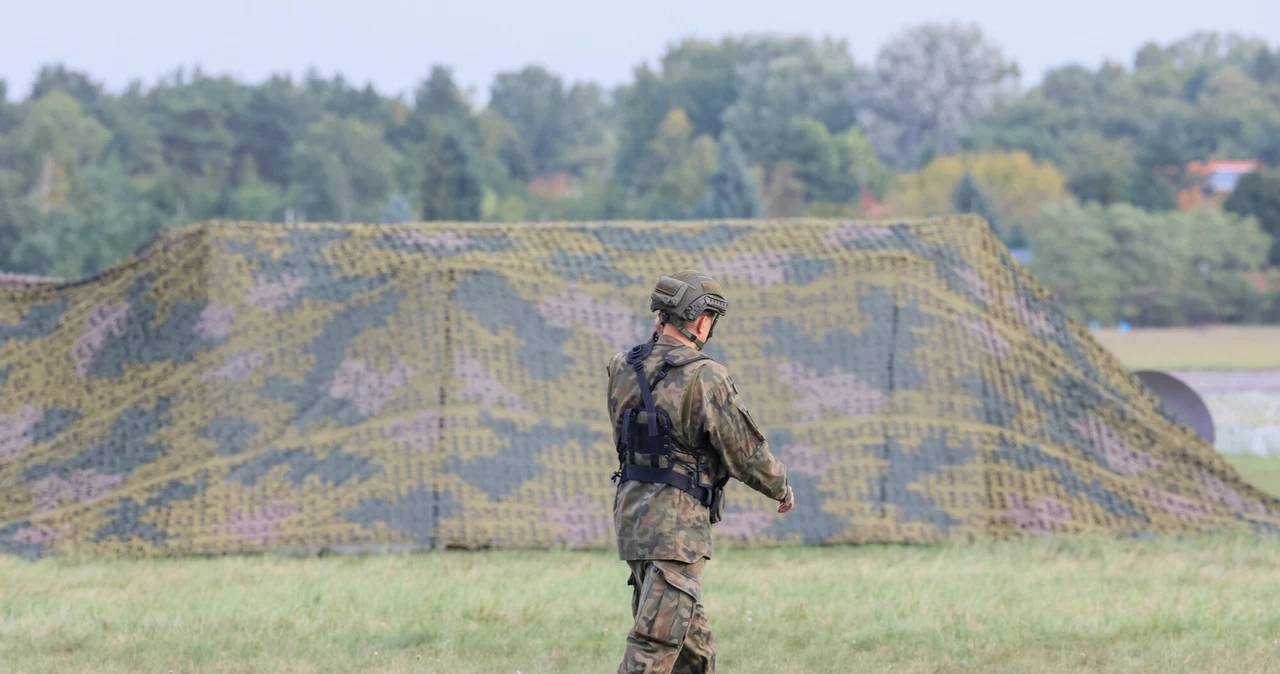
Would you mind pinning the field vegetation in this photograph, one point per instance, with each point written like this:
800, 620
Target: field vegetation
1204, 606
1220, 347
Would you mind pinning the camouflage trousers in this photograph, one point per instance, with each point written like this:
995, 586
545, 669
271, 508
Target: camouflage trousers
671, 633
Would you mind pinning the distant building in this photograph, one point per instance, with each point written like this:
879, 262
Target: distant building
1260, 282
1213, 181
554, 186
1221, 176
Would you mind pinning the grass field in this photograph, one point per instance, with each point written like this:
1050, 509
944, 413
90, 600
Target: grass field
1200, 606
1210, 348
1205, 606
1262, 471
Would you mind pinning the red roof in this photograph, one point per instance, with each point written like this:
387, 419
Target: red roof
1200, 168
1260, 282
554, 185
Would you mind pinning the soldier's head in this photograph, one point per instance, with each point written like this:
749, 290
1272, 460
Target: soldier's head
689, 303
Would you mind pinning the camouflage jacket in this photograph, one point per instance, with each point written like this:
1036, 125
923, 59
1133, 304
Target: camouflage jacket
659, 521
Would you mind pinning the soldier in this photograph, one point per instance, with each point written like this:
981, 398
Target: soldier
681, 432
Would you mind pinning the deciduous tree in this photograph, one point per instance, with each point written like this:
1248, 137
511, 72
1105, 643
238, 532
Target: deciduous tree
929, 84
1258, 195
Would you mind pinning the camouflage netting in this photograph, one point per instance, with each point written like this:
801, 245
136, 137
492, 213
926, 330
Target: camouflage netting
260, 387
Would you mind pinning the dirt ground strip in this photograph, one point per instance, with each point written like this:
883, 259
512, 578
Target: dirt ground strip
1207, 382
1245, 406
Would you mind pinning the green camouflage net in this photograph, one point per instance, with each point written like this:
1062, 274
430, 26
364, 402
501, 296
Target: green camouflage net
243, 387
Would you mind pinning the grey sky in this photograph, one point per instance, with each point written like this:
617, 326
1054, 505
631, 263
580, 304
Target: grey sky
394, 42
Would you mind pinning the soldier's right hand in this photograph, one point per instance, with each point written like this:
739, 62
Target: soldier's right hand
790, 503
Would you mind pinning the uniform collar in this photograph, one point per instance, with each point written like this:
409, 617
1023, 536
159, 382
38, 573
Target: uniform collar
668, 340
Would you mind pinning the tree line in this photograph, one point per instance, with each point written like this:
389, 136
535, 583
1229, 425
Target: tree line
1087, 167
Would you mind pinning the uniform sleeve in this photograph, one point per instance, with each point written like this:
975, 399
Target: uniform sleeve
733, 432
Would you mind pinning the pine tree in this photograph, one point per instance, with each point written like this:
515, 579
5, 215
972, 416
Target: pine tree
451, 188
397, 210
733, 194
968, 197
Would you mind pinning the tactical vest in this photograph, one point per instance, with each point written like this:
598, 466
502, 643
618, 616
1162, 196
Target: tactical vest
648, 431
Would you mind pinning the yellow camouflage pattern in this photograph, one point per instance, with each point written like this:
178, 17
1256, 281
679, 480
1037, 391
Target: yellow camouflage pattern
242, 387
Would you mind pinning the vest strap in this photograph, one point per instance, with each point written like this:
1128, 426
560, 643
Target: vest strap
635, 358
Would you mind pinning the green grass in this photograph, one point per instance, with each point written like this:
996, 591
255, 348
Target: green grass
1203, 606
1209, 348
1262, 471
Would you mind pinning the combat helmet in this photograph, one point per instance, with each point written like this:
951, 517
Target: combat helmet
684, 296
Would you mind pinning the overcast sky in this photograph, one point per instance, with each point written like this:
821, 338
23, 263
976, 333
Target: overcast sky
394, 42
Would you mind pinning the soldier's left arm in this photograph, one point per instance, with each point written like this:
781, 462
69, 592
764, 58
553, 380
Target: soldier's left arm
742, 447
610, 370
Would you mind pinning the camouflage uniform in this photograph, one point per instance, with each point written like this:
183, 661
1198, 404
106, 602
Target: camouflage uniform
664, 534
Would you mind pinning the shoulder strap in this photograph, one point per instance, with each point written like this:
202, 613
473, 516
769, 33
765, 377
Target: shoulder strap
635, 358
